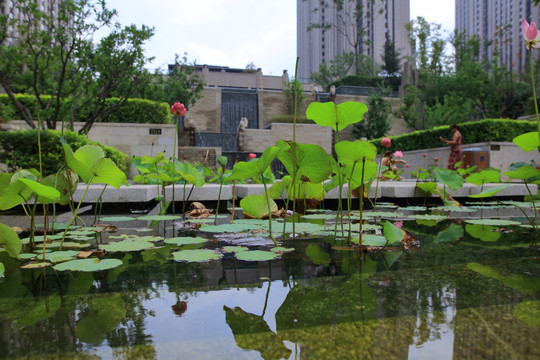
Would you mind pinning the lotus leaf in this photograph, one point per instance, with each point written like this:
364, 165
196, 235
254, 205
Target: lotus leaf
88, 265
317, 255
199, 255
256, 255
483, 232
10, 241
185, 240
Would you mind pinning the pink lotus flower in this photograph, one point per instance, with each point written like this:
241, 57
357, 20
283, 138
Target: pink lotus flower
531, 34
407, 165
398, 154
252, 156
424, 154
436, 159
178, 109
398, 224
386, 142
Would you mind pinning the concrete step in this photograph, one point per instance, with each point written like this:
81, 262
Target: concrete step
209, 192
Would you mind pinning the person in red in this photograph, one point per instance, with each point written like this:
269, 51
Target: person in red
456, 153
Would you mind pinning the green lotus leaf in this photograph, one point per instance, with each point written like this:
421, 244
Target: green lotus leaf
494, 222
59, 256
277, 189
484, 177
88, 265
158, 217
449, 177
524, 284
199, 255
311, 161
226, 228
371, 240
256, 255
281, 249
490, 192
256, 206
185, 240
107, 219
338, 117
450, 234
44, 191
130, 244
234, 249
254, 169
428, 187
523, 173
189, 173
9, 240
528, 311
392, 233
483, 232
306, 190
2, 270
317, 255
350, 152
528, 141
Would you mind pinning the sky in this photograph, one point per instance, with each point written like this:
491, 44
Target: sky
235, 33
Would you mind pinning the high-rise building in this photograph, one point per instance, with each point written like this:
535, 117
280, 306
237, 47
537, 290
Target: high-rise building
342, 31
498, 23
10, 8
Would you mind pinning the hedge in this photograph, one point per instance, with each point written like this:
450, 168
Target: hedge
20, 150
133, 111
368, 81
503, 130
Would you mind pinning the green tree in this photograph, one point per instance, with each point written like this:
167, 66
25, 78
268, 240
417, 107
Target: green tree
59, 59
391, 57
293, 89
428, 45
376, 123
181, 84
350, 21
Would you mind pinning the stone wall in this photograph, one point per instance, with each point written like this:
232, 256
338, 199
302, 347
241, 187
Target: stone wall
206, 113
132, 139
258, 140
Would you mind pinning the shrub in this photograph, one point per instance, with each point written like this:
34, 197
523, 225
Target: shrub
139, 111
504, 130
368, 81
289, 119
20, 150
133, 111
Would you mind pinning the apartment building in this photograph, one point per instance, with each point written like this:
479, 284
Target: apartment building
344, 30
12, 9
498, 22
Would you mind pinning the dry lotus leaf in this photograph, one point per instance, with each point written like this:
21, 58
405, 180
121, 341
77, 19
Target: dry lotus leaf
196, 205
409, 241
91, 253
106, 227
199, 213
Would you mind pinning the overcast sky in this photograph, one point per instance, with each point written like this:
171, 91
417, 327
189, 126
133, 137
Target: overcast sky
235, 33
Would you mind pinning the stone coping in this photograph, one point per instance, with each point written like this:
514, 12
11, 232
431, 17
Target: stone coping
209, 192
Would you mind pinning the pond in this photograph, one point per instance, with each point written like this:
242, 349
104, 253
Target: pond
465, 288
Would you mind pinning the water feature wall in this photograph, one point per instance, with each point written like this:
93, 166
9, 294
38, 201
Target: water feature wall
226, 141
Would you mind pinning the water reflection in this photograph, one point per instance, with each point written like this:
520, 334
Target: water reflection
449, 299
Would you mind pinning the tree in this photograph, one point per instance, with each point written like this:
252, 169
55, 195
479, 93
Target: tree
391, 58
336, 69
58, 63
351, 17
376, 123
181, 84
294, 92
428, 45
